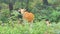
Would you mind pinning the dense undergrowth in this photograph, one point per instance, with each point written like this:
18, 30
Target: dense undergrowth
38, 28
10, 24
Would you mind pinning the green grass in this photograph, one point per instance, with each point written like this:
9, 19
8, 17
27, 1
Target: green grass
38, 28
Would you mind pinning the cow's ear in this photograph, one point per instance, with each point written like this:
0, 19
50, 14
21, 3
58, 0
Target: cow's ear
19, 9
24, 9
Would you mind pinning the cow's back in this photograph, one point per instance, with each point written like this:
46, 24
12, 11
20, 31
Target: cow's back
28, 16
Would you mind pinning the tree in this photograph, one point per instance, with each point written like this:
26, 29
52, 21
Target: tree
45, 2
0, 7
21, 3
10, 6
27, 5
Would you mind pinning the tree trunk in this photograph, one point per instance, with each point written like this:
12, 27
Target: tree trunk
21, 3
45, 2
0, 7
27, 5
10, 6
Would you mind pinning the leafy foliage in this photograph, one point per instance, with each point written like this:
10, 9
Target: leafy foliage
38, 28
9, 24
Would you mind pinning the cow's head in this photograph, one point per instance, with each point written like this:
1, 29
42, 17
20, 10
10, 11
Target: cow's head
22, 11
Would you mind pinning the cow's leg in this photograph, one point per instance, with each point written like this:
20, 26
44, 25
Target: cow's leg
24, 22
31, 25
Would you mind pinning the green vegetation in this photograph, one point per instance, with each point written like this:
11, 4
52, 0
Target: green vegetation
10, 24
38, 28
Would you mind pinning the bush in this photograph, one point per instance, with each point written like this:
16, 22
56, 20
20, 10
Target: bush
48, 13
